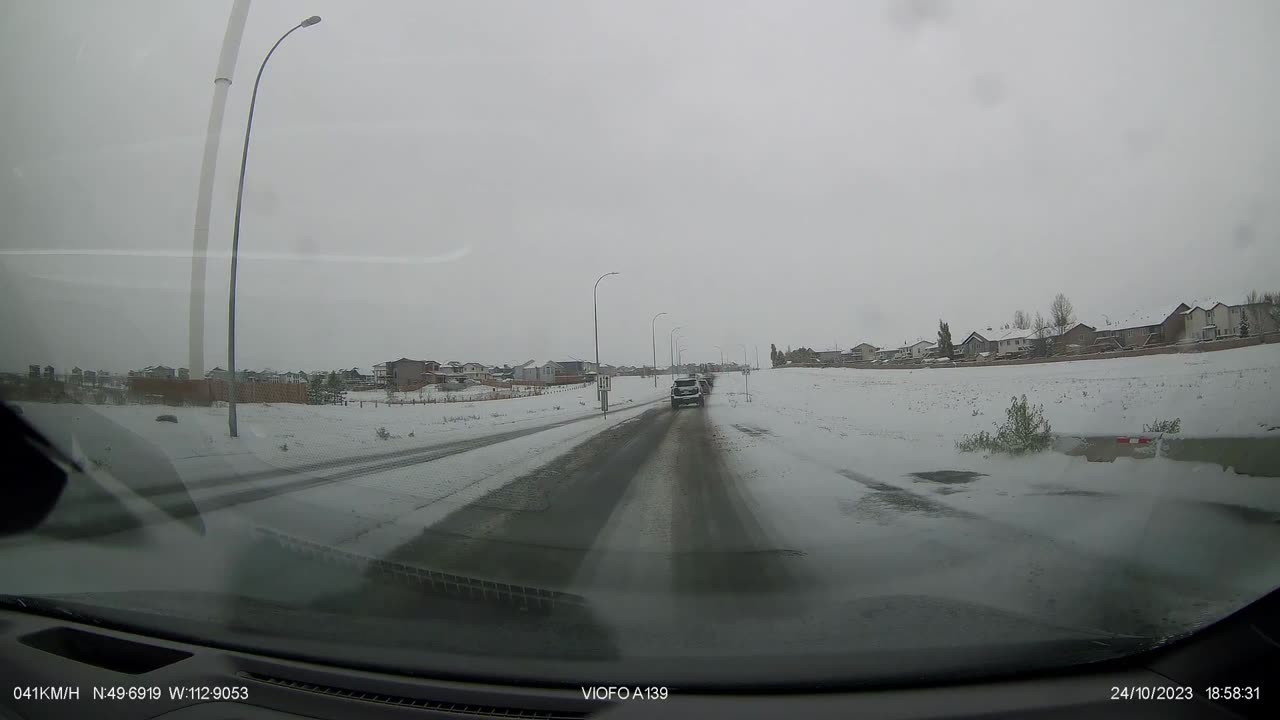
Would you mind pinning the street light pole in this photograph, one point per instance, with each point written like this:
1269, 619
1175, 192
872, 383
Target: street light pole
721, 353
653, 338
671, 348
595, 319
235, 234
204, 195
746, 376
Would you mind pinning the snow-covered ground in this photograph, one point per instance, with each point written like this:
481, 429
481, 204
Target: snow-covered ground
288, 435
831, 469
1229, 392
436, 394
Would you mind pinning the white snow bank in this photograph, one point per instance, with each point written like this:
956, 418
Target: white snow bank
1229, 392
288, 435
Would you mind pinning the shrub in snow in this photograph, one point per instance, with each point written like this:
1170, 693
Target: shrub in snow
284, 447
382, 433
1163, 426
1024, 431
166, 418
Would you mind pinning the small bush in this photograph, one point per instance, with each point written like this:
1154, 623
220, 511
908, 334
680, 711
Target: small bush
1024, 431
411, 434
284, 447
382, 433
167, 418
557, 407
1163, 426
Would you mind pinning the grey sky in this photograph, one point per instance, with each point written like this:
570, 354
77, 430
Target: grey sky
798, 173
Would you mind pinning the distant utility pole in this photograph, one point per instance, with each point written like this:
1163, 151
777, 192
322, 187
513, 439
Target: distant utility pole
653, 338
204, 195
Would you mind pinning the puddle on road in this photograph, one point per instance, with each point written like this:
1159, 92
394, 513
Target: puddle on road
889, 502
949, 477
1073, 493
752, 431
1245, 513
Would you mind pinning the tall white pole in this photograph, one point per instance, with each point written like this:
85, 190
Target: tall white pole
204, 197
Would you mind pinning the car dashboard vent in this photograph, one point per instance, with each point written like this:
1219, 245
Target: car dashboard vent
467, 709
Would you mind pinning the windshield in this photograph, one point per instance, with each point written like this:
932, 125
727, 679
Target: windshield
983, 295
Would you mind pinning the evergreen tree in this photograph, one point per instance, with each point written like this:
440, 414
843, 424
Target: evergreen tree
945, 348
1244, 324
773, 355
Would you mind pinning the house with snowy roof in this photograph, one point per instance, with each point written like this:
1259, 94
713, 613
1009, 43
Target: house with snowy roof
1152, 326
1212, 319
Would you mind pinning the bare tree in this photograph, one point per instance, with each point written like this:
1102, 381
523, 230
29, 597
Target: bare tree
1039, 325
1263, 304
1061, 314
1021, 320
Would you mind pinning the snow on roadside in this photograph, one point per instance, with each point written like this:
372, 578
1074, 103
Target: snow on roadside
288, 435
1229, 392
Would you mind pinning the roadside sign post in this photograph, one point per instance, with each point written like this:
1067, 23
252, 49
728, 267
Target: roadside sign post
746, 377
602, 386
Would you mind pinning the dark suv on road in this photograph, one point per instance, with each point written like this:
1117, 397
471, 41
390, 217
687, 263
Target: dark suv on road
687, 391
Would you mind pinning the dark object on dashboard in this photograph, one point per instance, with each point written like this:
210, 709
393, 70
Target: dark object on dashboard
32, 487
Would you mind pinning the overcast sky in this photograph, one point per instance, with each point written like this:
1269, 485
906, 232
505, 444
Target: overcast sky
798, 173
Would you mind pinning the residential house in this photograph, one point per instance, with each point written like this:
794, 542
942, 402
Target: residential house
1146, 327
33, 372
886, 354
975, 345
476, 371
918, 349
1263, 317
48, 372
830, 357
1075, 339
90, 377
77, 376
863, 352
184, 374
1210, 320
163, 372
216, 374
398, 373
1011, 341
578, 368
531, 371
294, 378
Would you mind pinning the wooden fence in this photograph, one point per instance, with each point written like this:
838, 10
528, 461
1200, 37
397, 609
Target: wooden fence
205, 392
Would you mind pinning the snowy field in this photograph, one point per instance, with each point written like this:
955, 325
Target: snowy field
287, 435
1230, 392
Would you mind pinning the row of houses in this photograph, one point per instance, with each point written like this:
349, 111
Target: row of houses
77, 376
409, 373
1204, 320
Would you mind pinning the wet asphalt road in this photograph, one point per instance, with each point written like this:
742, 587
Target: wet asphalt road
666, 532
